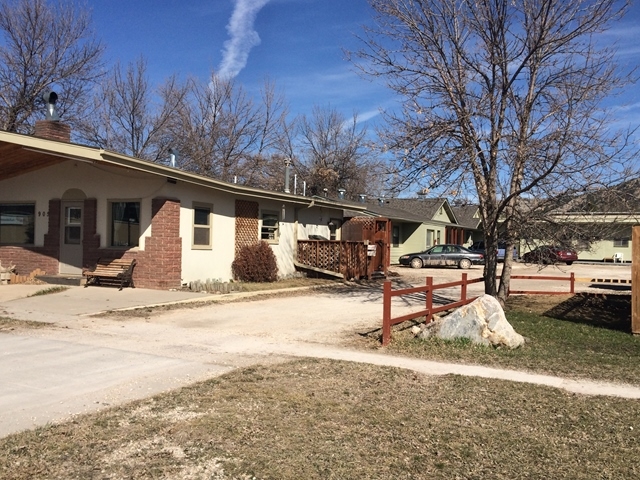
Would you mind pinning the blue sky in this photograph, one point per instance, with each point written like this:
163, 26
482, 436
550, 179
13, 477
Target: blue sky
298, 44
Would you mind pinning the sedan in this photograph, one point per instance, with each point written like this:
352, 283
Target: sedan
443, 255
550, 254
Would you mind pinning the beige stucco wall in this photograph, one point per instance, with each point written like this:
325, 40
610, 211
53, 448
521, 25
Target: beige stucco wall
111, 183
100, 182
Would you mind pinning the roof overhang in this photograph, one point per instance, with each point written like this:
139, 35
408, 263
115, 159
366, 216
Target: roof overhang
20, 154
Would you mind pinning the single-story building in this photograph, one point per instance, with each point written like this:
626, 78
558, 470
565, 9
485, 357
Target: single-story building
63, 206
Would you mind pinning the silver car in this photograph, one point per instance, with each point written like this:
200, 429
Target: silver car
443, 255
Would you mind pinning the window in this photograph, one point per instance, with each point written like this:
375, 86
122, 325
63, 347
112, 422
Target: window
621, 242
202, 226
17, 224
72, 225
395, 236
125, 224
270, 223
334, 229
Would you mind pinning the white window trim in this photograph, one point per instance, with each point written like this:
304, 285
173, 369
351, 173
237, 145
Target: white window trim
276, 236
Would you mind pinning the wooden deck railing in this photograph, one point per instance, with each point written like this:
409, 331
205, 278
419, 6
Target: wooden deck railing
345, 258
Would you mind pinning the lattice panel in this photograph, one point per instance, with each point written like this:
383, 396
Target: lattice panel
247, 226
348, 258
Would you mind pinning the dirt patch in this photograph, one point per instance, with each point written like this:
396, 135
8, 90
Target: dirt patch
10, 325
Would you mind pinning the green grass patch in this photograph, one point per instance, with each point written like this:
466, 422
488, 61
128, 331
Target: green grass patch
322, 419
578, 336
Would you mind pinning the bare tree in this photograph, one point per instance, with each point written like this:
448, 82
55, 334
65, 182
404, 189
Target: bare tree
129, 117
221, 132
45, 45
335, 153
502, 96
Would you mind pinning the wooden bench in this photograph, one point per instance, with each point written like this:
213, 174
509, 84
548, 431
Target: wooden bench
111, 272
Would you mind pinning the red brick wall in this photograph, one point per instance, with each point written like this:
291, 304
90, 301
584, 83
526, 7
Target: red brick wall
28, 259
160, 264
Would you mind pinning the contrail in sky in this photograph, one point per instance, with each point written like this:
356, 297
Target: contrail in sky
242, 37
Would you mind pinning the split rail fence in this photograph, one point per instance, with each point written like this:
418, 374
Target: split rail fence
388, 293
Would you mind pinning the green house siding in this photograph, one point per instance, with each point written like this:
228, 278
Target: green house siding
412, 239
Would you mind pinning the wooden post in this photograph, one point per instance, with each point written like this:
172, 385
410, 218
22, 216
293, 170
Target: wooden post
386, 313
635, 281
463, 290
573, 283
429, 298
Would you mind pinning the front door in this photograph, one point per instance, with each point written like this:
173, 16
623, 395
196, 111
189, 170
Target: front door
71, 241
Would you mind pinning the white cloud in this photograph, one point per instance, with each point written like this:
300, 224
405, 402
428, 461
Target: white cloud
242, 37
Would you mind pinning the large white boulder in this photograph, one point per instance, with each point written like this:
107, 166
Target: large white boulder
482, 321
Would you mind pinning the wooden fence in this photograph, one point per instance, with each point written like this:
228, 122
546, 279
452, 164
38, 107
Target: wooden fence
388, 321
348, 259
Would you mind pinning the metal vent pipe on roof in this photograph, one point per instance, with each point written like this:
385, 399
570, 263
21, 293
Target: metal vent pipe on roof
341, 193
172, 157
287, 173
362, 198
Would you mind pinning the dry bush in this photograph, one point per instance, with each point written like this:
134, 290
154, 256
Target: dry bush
255, 263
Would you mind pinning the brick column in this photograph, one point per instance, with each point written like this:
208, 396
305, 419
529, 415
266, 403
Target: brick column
160, 265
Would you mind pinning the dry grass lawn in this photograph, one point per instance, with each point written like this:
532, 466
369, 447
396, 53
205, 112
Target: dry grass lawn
321, 419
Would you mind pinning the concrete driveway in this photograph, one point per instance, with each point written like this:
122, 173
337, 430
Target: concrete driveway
81, 363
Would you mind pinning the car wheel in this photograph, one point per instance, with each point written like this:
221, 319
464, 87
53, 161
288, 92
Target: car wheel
416, 263
464, 263
569, 263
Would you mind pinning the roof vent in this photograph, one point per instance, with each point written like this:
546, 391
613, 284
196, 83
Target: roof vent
51, 127
362, 197
341, 193
173, 154
51, 98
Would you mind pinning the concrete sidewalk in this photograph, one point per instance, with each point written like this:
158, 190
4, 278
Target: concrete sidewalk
18, 301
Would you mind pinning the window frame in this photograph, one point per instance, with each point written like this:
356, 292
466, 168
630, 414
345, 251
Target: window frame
621, 242
33, 223
208, 226
111, 229
275, 230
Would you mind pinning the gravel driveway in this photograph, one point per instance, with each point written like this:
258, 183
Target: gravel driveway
81, 363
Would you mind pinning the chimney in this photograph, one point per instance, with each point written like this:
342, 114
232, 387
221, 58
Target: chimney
51, 128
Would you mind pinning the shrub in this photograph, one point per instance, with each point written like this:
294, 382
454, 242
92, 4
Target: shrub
255, 263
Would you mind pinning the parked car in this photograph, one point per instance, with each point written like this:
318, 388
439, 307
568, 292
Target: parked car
550, 254
502, 248
443, 255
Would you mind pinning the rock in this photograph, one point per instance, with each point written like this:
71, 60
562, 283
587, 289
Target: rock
482, 321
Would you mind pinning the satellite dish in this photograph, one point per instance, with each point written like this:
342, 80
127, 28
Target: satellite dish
51, 97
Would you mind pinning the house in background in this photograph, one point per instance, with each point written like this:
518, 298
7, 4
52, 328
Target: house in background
63, 206
469, 219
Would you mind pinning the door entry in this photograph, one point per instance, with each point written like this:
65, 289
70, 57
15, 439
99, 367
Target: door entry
71, 241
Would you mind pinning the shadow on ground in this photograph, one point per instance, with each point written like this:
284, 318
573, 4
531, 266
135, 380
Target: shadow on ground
596, 309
